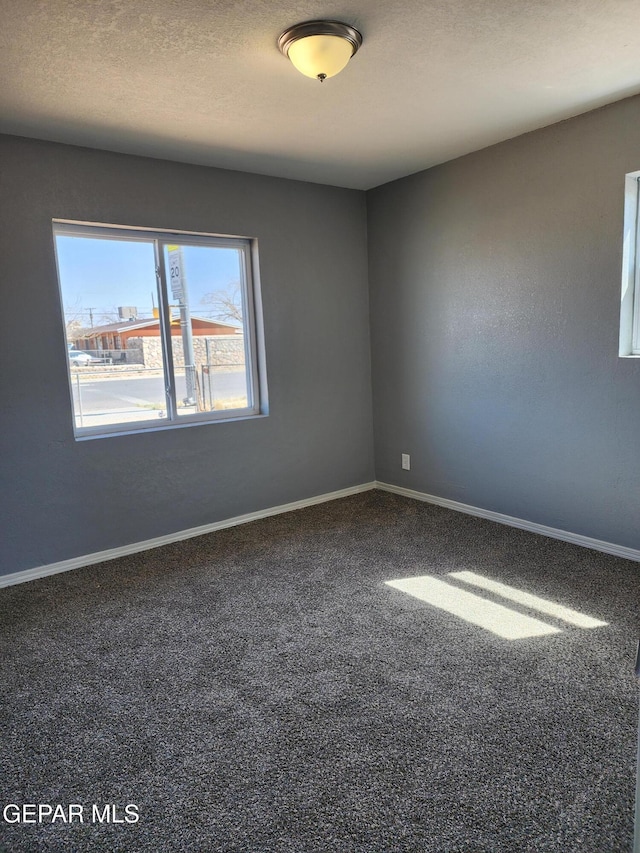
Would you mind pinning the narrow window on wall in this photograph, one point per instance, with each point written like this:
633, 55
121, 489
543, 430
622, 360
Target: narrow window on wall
161, 328
630, 300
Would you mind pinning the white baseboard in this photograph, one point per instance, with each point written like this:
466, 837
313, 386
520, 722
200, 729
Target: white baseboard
136, 547
147, 544
511, 521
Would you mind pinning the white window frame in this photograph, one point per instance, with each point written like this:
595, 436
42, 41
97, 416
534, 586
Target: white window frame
629, 344
252, 324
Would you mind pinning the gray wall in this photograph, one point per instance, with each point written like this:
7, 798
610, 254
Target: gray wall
62, 498
494, 302
495, 291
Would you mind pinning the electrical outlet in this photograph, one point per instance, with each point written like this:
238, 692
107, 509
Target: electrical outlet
406, 462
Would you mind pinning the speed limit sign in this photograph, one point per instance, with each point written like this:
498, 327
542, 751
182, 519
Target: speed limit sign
176, 274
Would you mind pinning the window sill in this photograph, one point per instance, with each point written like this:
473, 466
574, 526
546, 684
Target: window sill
147, 427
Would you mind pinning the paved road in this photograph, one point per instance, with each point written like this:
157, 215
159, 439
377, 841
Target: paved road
145, 392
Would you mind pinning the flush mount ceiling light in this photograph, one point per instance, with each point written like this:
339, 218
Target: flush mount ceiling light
320, 49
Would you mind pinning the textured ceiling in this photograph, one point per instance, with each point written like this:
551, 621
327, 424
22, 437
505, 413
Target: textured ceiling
202, 81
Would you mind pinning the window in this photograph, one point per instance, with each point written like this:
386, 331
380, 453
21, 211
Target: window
630, 301
160, 327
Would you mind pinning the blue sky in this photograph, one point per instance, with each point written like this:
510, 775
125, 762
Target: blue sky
103, 274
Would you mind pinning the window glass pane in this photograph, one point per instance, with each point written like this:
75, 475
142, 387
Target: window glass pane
636, 284
207, 294
110, 298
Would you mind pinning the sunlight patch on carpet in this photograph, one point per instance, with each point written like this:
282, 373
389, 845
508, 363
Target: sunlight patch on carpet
473, 608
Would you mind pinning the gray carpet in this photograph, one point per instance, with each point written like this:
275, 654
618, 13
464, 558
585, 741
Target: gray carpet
261, 689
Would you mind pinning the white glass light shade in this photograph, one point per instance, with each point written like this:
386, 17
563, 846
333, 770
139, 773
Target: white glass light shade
320, 56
